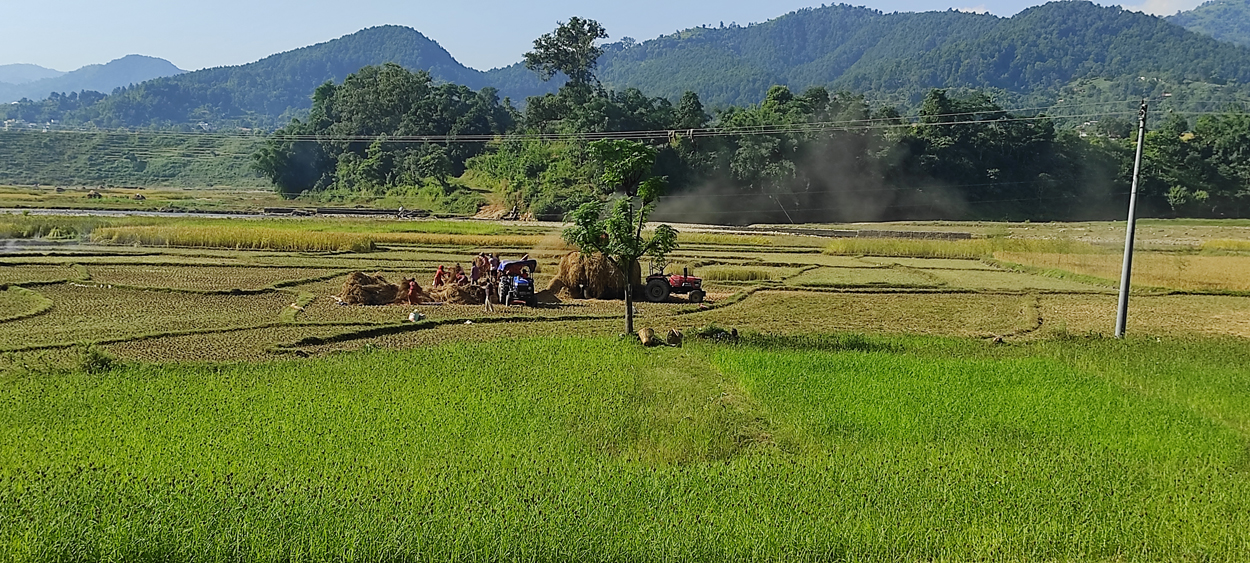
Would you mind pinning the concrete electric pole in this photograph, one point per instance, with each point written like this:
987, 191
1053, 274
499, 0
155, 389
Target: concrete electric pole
1126, 273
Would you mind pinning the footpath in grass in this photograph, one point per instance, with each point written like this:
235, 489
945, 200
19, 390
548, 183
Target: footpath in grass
785, 448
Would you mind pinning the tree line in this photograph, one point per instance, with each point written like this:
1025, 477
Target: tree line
810, 156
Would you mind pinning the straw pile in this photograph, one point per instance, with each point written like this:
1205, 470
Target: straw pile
459, 294
364, 289
590, 277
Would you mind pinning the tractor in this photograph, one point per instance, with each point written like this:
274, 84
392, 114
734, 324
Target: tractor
660, 285
516, 282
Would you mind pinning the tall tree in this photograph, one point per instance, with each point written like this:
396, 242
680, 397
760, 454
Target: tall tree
569, 49
617, 233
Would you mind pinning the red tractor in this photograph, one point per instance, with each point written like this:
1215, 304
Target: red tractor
659, 286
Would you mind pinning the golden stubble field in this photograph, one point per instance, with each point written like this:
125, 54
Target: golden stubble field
169, 304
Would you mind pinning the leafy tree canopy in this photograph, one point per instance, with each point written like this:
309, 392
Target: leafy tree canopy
570, 49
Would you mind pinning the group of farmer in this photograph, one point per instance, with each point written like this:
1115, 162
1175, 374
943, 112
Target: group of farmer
484, 273
485, 268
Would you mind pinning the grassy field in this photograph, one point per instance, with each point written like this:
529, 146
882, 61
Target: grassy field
778, 449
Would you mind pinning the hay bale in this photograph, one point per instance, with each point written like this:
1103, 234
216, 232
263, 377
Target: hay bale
590, 276
363, 289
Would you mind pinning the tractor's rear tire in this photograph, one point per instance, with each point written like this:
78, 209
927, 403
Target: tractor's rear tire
696, 296
657, 291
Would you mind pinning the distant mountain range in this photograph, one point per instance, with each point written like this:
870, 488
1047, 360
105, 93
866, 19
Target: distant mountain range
23, 73
36, 83
1072, 50
1226, 20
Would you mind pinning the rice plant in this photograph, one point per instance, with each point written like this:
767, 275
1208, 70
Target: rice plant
234, 237
967, 249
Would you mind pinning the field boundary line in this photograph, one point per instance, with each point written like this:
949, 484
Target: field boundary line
173, 334
398, 328
734, 299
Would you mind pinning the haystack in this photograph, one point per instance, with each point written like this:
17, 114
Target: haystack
590, 277
363, 289
459, 294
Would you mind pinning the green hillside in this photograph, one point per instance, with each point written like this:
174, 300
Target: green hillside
1226, 20
898, 57
269, 91
1035, 58
32, 157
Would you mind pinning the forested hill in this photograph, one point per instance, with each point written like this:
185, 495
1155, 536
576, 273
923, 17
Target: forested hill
1073, 50
1226, 20
900, 56
266, 91
131, 69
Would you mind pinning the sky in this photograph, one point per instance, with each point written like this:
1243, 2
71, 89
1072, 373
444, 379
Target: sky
483, 34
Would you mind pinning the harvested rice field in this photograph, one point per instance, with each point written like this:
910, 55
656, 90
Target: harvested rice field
853, 277
18, 302
1168, 270
789, 312
209, 279
84, 297
94, 313
36, 274
1154, 315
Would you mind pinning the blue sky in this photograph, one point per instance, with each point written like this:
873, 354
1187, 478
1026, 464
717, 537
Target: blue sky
67, 34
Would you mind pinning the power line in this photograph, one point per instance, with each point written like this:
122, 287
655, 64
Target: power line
878, 123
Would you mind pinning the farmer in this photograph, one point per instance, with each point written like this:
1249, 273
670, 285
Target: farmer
414, 291
494, 267
491, 287
475, 273
440, 277
458, 276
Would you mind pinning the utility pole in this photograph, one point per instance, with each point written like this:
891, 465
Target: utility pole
1126, 273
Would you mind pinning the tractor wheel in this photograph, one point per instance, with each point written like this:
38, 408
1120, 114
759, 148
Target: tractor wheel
696, 296
657, 291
